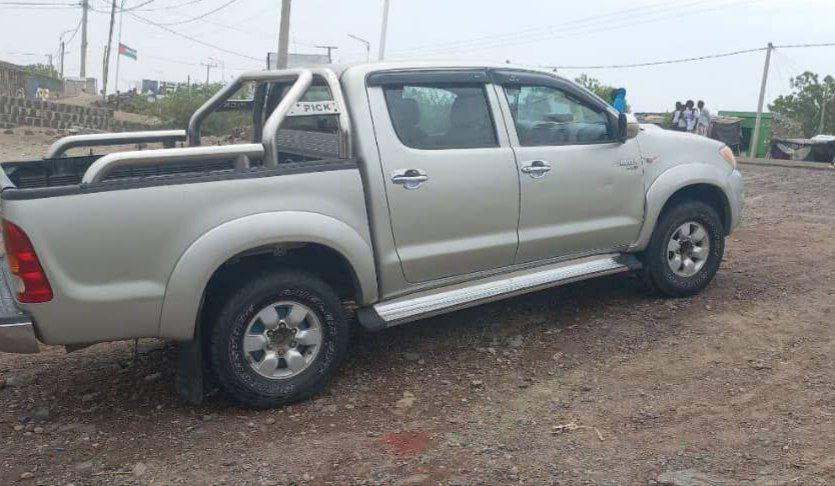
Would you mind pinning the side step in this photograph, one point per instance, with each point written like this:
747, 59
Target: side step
446, 299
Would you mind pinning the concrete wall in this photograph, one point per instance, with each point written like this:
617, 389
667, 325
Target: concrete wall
16, 111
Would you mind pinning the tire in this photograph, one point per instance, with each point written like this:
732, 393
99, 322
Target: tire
242, 351
660, 256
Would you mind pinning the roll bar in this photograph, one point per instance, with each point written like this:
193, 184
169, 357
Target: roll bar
167, 137
302, 79
268, 151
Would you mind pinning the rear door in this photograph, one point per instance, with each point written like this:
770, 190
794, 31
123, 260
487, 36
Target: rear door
582, 191
451, 178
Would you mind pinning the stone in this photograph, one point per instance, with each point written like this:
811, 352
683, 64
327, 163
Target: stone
27, 475
88, 397
406, 402
688, 477
139, 469
152, 377
411, 357
41, 414
269, 421
477, 383
413, 480
8, 132
516, 341
84, 467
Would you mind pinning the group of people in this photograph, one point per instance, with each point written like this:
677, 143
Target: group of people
690, 117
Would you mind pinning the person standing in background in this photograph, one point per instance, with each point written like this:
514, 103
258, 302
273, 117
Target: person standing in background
619, 100
689, 116
676, 116
703, 120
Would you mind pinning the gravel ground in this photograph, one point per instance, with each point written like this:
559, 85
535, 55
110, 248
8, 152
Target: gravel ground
592, 383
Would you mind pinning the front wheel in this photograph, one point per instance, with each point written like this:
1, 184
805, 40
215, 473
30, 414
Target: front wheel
278, 340
686, 249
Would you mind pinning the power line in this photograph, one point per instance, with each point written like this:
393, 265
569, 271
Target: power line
795, 46
193, 39
230, 2
534, 30
670, 61
673, 12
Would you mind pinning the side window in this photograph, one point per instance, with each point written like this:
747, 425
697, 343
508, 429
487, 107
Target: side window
549, 116
442, 116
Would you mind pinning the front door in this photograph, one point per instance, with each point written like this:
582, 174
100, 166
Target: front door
582, 191
450, 175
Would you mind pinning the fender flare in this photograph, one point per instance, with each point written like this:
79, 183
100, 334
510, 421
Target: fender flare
191, 274
670, 182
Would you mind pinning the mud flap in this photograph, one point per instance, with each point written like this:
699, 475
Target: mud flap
189, 380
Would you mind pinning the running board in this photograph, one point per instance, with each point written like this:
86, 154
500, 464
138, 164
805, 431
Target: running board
446, 299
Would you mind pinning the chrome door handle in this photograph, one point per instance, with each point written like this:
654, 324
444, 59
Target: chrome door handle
537, 169
409, 178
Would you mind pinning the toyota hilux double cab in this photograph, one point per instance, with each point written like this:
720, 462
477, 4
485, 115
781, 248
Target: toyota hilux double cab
376, 193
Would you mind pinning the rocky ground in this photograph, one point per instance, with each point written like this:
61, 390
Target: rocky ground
592, 383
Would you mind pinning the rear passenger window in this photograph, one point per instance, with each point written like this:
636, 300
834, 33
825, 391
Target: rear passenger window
438, 117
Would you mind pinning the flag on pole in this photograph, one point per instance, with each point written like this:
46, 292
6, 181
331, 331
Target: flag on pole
127, 51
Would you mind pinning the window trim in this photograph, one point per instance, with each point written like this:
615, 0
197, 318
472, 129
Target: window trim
503, 78
439, 82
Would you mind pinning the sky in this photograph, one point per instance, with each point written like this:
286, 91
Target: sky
526, 32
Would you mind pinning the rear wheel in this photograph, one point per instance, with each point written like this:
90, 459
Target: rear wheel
686, 249
278, 340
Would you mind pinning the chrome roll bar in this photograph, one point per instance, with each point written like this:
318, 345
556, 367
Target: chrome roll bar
167, 137
240, 154
302, 79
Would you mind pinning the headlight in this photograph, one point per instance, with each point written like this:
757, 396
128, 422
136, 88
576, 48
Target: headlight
728, 155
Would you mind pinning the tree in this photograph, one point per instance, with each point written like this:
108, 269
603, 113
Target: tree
42, 69
594, 85
810, 104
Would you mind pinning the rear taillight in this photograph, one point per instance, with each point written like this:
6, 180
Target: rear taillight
23, 263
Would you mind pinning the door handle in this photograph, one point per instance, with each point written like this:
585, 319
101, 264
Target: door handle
537, 169
409, 178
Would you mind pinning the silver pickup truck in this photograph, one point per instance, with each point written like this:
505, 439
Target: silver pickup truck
374, 193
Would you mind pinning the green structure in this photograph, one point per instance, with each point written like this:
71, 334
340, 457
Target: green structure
748, 119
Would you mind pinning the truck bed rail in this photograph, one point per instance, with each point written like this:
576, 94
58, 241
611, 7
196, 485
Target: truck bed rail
167, 137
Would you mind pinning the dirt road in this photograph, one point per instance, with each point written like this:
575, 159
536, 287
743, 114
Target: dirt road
593, 383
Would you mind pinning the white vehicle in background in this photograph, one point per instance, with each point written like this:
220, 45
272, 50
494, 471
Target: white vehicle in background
398, 191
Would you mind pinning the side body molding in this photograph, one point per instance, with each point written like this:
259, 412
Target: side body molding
197, 264
670, 181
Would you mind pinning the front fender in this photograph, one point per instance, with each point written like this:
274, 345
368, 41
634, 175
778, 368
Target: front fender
668, 183
195, 267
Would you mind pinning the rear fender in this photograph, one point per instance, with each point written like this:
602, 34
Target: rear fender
195, 267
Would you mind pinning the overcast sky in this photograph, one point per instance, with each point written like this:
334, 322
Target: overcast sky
529, 32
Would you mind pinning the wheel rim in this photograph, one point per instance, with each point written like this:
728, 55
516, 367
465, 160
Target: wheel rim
282, 340
688, 249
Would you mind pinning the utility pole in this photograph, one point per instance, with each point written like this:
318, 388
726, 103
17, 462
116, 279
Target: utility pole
824, 107
61, 59
209, 66
283, 35
107, 52
384, 29
330, 49
755, 138
84, 7
119, 44
365, 43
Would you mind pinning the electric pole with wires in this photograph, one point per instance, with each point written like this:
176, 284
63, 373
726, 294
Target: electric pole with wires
283, 35
106, 64
209, 66
85, 5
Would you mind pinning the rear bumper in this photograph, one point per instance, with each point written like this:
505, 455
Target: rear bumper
17, 331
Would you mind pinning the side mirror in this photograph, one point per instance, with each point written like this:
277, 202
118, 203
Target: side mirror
622, 123
627, 129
